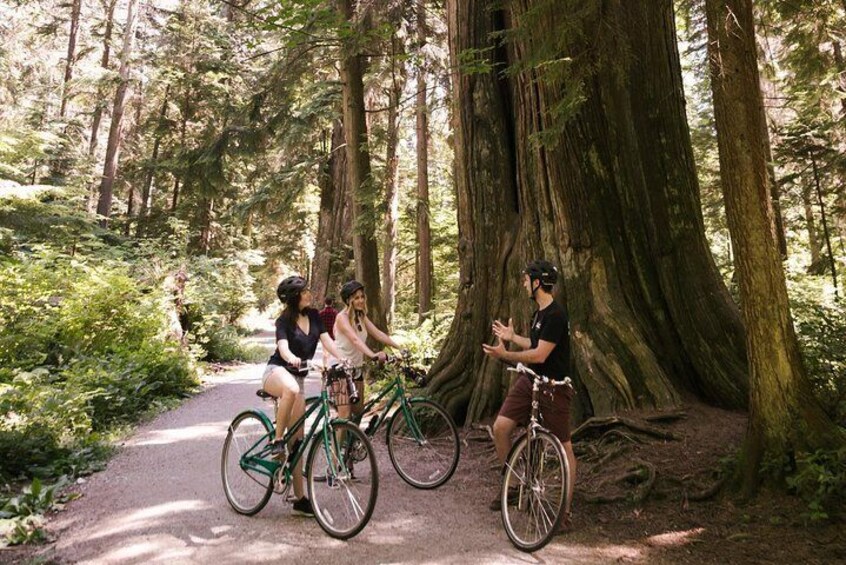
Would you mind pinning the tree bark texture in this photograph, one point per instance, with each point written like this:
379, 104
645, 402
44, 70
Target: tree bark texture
610, 195
331, 265
76, 5
784, 416
104, 205
358, 171
424, 237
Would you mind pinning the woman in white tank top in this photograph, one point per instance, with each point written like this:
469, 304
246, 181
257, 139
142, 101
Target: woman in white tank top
352, 326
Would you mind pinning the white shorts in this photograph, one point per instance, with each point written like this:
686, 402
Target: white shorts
268, 370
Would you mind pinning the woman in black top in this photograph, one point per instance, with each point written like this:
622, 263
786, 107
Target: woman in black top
298, 330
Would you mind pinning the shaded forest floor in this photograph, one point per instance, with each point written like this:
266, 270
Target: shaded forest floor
636, 496
160, 500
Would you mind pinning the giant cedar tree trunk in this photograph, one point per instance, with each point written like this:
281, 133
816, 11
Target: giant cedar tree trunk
331, 258
785, 418
104, 205
610, 195
358, 170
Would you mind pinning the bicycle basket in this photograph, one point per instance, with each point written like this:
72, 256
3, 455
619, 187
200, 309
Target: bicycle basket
415, 375
341, 387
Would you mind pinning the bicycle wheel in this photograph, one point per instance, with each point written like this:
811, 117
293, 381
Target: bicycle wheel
343, 493
534, 491
423, 444
247, 488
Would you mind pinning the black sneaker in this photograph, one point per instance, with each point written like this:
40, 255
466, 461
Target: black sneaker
302, 507
279, 451
496, 503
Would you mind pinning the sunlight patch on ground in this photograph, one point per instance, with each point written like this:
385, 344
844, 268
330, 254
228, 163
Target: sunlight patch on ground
561, 551
174, 435
670, 539
146, 518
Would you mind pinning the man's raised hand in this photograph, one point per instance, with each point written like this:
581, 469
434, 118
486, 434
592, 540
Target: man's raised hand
503, 332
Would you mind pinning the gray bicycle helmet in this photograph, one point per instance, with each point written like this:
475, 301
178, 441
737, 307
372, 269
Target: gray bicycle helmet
350, 288
291, 286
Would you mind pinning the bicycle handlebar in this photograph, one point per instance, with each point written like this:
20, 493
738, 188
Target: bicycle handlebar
521, 368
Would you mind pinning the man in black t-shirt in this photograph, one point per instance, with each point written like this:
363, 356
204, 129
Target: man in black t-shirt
547, 352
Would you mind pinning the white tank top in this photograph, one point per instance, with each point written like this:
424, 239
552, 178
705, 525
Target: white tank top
346, 348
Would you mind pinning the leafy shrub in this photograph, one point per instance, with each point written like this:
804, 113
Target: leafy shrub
20, 516
122, 386
820, 479
40, 421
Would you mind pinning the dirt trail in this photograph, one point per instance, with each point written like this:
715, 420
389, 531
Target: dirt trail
160, 500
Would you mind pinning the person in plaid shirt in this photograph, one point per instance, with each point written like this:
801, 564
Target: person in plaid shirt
328, 315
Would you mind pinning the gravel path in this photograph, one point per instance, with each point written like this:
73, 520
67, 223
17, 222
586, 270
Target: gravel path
161, 500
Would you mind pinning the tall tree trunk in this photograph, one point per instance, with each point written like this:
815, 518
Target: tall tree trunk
104, 63
424, 238
135, 135
826, 236
147, 194
358, 171
206, 229
785, 418
332, 260
608, 192
840, 65
389, 263
74, 29
811, 225
104, 205
183, 129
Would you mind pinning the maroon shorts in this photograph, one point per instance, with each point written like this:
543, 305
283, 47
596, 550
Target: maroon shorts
555, 411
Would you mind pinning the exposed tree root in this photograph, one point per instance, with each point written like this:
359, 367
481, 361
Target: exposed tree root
642, 474
666, 417
596, 424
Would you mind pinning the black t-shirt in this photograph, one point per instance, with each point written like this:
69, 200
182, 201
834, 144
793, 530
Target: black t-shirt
551, 324
302, 345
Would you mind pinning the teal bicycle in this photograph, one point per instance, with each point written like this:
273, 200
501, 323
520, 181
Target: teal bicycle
343, 503
421, 436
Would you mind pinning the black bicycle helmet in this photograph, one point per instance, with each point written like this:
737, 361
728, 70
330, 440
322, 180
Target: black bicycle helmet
350, 288
542, 271
290, 287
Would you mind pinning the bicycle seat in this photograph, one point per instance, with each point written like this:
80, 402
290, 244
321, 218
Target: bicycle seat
261, 393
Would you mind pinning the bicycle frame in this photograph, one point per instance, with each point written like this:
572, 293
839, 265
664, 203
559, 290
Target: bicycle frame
256, 459
399, 394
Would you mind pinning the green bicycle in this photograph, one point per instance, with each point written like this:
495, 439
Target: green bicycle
343, 503
421, 436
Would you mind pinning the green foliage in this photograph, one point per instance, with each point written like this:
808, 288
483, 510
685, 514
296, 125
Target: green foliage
821, 328
820, 479
20, 516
